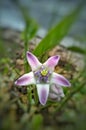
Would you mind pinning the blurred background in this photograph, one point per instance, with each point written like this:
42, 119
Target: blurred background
16, 18
46, 13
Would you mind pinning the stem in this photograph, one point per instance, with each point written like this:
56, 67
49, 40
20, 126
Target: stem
29, 95
35, 96
26, 47
26, 38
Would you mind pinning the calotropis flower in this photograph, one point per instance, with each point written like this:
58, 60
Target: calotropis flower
43, 76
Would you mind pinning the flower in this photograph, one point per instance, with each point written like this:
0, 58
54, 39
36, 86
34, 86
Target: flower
44, 77
56, 92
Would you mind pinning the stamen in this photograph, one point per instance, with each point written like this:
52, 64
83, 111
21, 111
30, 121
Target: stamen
44, 72
42, 75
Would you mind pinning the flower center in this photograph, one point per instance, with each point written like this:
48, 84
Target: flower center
44, 72
42, 75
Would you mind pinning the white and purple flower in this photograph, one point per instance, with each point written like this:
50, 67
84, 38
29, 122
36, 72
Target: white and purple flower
48, 82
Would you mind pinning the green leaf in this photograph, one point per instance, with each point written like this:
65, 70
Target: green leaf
77, 49
58, 32
30, 30
31, 25
36, 123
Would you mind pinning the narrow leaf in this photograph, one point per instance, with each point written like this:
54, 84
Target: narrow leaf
77, 49
58, 32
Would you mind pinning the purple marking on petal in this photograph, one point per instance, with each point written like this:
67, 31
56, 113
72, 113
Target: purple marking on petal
52, 62
43, 96
59, 80
43, 92
26, 79
63, 80
22, 80
32, 58
33, 61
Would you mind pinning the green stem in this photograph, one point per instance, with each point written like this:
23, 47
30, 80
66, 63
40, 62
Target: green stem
29, 95
26, 39
25, 60
35, 96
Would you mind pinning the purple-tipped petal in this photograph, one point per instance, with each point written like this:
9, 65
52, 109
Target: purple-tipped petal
60, 80
33, 61
52, 62
43, 92
26, 79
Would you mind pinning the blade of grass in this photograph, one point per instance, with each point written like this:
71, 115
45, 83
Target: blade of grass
29, 32
58, 32
77, 49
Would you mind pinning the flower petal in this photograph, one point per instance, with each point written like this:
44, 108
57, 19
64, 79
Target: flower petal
55, 97
57, 90
43, 92
59, 79
52, 96
33, 61
26, 79
52, 62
